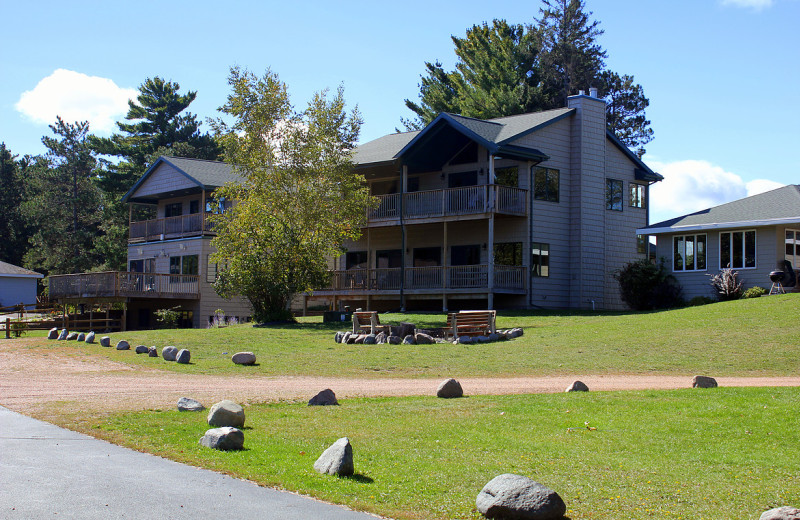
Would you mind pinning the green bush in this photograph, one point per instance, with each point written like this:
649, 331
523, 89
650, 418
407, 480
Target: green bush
644, 285
754, 292
168, 318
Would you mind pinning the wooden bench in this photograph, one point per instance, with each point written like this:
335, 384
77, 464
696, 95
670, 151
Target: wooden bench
367, 322
471, 323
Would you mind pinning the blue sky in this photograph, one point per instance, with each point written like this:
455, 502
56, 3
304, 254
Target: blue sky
720, 74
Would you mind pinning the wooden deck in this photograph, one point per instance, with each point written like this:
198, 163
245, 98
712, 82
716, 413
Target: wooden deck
118, 284
182, 226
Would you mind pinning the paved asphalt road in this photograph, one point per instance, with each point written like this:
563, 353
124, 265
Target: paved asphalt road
49, 472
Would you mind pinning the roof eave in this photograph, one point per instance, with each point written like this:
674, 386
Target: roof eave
646, 174
717, 225
444, 116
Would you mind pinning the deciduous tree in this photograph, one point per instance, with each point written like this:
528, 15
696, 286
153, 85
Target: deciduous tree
299, 198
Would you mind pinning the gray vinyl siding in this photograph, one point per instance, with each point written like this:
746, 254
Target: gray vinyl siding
164, 180
17, 289
769, 250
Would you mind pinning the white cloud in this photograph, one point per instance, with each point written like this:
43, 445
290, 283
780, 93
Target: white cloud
76, 97
694, 185
756, 5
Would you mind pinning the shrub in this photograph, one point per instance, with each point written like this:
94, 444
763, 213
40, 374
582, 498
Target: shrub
644, 285
18, 328
726, 284
168, 318
700, 300
754, 292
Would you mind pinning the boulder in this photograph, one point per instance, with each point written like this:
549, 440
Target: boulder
704, 382
359, 339
244, 358
394, 340
141, 349
324, 398
53, 334
225, 438
449, 389
465, 339
520, 498
494, 336
346, 337
90, 337
226, 413
404, 329
577, 386
351, 339
481, 339
371, 339
105, 341
63, 334
515, 333
123, 345
337, 459
781, 513
338, 336
81, 337
169, 353
380, 338
72, 336
152, 352
409, 340
187, 404
184, 356
424, 339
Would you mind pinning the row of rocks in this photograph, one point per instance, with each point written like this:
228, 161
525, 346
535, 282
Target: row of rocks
65, 335
500, 335
420, 338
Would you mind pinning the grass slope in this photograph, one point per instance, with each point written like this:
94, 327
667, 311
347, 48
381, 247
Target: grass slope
745, 337
699, 454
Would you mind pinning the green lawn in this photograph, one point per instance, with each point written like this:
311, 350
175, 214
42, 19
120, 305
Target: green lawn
745, 337
696, 454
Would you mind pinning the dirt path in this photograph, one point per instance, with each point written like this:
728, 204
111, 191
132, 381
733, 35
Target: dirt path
32, 381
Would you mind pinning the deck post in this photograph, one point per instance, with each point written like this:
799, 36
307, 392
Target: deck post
445, 273
91, 317
8, 328
305, 304
490, 261
124, 325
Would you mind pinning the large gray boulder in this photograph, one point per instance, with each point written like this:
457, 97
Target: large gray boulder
337, 459
424, 339
72, 336
152, 352
781, 513
105, 341
53, 334
244, 358
226, 413
577, 386
63, 335
409, 340
449, 389
81, 336
183, 356
90, 337
141, 349
324, 398
516, 497
704, 382
169, 353
370, 339
394, 340
123, 345
380, 338
187, 404
225, 438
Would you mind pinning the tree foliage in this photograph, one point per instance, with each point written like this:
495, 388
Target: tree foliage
63, 200
299, 199
644, 285
504, 69
14, 228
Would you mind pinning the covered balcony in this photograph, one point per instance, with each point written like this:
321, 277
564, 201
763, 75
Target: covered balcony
182, 226
116, 284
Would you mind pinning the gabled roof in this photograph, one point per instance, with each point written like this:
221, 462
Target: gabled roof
205, 174
15, 271
776, 207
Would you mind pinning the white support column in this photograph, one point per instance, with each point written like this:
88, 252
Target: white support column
445, 268
490, 260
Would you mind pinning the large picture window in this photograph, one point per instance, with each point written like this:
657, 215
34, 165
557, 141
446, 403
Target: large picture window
545, 184
689, 253
793, 247
737, 249
540, 259
614, 194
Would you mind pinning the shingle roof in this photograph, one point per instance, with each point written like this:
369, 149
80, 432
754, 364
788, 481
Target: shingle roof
382, 149
211, 174
774, 207
7, 269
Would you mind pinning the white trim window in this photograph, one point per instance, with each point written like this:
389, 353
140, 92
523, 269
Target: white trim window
689, 253
737, 249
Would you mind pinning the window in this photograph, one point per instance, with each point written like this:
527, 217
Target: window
183, 264
194, 207
356, 260
540, 259
465, 255
689, 253
638, 195
614, 194
173, 210
545, 184
508, 176
508, 254
642, 243
793, 247
737, 249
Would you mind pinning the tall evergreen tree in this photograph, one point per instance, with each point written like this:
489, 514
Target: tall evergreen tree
62, 201
13, 227
625, 110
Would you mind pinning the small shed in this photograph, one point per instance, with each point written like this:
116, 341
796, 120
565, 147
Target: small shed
17, 285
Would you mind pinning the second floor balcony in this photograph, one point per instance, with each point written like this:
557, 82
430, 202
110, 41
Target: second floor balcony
117, 284
435, 204
182, 226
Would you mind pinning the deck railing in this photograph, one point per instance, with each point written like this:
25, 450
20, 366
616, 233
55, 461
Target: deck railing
452, 201
170, 227
434, 277
111, 284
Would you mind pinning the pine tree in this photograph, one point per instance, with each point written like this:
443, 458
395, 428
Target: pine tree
13, 227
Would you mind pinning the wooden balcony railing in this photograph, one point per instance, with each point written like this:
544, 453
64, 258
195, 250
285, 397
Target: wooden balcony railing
167, 228
453, 201
435, 277
114, 284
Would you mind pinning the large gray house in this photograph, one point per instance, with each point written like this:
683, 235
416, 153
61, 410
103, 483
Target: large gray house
754, 236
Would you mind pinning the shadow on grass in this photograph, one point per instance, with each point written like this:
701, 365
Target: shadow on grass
361, 479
